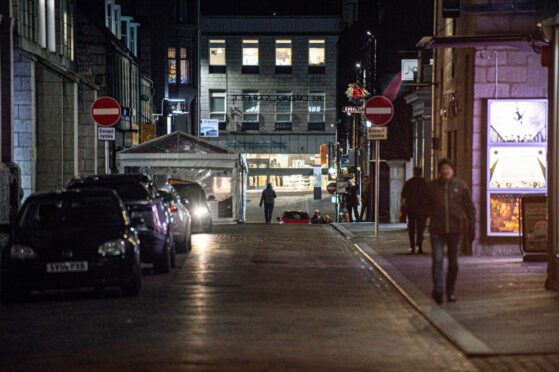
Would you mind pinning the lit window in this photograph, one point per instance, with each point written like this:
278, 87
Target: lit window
172, 65
316, 53
217, 52
316, 107
250, 52
283, 52
251, 107
284, 107
217, 105
184, 71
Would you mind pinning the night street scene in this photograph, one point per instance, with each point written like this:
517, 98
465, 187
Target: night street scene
255, 185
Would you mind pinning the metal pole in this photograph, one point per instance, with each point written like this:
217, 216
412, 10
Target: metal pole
377, 188
107, 167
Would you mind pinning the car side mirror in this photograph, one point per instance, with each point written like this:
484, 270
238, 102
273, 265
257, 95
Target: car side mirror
211, 198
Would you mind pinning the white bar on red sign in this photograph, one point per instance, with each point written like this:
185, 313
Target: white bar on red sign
105, 111
378, 110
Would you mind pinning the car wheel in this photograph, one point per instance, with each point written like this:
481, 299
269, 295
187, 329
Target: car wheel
163, 263
182, 247
132, 288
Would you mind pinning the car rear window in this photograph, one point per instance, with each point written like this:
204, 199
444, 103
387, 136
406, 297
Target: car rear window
74, 211
128, 191
296, 215
166, 196
192, 192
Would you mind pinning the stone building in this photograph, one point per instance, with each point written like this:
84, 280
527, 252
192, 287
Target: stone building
270, 83
490, 112
53, 136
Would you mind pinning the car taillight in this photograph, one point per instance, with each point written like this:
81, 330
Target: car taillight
173, 208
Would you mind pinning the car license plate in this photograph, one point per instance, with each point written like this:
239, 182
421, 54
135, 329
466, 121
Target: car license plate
67, 267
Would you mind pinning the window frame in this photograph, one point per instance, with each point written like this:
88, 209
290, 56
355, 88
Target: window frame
250, 44
246, 113
310, 113
290, 113
216, 44
218, 93
322, 43
286, 42
169, 61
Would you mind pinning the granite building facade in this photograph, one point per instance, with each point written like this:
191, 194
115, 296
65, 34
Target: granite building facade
271, 84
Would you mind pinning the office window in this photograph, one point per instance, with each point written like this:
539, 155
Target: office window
134, 38
184, 66
316, 53
125, 30
217, 52
171, 65
117, 26
283, 52
250, 52
251, 107
284, 107
316, 107
218, 107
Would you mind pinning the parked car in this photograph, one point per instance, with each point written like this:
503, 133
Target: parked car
198, 204
147, 210
71, 239
181, 222
294, 218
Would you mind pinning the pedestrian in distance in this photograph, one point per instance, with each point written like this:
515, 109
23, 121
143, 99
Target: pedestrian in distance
268, 199
452, 214
414, 198
317, 219
352, 200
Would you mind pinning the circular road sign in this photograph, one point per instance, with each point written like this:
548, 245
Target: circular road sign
105, 111
379, 110
331, 187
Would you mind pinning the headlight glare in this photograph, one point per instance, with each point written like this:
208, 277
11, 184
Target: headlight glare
200, 211
22, 252
112, 248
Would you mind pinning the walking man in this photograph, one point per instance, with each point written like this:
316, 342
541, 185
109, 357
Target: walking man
268, 199
452, 214
365, 198
414, 197
352, 200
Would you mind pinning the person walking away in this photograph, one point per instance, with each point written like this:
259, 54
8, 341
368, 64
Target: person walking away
452, 214
268, 199
414, 197
317, 219
352, 200
365, 198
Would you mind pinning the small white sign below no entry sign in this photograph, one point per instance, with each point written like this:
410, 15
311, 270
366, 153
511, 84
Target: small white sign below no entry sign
377, 133
106, 134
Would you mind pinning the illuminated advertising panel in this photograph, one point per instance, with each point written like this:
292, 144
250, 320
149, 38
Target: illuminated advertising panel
516, 160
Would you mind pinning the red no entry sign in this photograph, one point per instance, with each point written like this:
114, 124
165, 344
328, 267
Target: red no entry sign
379, 110
105, 111
331, 187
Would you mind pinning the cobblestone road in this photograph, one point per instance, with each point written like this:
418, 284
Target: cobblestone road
249, 297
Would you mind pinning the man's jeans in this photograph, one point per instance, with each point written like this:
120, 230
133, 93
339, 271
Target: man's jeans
268, 211
437, 250
416, 227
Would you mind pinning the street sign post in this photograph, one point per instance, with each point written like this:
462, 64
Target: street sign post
379, 111
106, 112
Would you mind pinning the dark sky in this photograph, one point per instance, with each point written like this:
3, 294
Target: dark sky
269, 7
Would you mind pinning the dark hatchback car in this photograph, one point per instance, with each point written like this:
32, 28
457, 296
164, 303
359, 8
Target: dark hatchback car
70, 240
198, 204
147, 210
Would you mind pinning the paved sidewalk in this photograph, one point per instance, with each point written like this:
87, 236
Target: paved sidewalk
503, 307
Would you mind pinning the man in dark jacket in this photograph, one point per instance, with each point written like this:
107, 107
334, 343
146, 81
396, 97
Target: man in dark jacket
268, 199
352, 200
414, 197
452, 214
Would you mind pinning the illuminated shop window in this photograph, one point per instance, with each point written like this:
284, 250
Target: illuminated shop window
316, 53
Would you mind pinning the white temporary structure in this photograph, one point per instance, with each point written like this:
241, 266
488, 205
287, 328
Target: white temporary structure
221, 172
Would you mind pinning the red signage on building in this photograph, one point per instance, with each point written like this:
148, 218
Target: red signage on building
105, 111
379, 110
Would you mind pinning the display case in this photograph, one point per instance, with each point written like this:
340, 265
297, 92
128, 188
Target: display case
516, 160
